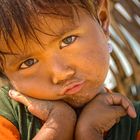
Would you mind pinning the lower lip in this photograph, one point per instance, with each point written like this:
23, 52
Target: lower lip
74, 90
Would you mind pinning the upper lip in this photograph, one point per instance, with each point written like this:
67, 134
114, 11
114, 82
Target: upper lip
71, 85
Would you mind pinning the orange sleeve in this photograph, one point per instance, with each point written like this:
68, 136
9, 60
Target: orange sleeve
138, 135
7, 130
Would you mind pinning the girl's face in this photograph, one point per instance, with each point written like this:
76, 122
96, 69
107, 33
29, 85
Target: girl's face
71, 66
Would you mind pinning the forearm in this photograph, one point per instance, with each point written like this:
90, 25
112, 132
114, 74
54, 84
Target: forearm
58, 127
51, 133
45, 133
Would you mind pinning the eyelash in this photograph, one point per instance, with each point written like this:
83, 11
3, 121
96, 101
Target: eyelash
24, 65
63, 44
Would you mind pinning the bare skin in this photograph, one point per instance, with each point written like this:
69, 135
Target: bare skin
97, 117
48, 71
101, 114
54, 114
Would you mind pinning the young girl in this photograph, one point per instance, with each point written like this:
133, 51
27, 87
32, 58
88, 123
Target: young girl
57, 51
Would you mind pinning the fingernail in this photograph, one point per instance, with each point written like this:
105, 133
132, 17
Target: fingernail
134, 114
13, 93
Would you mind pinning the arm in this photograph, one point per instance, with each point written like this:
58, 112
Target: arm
101, 114
59, 118
59, 126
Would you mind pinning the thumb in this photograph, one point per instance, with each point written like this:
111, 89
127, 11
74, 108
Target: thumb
34, 106
17, 96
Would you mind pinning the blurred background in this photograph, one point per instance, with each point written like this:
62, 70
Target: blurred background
124, 74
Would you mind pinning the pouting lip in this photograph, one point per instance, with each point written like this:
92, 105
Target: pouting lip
70, 86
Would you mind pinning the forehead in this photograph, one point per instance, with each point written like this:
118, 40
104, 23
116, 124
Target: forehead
48, 27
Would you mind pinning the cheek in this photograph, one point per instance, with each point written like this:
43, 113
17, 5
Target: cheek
99, 64
93, 57
25, 85
95, 63
32, 87
38, 87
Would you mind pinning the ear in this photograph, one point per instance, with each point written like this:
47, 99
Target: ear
103, 15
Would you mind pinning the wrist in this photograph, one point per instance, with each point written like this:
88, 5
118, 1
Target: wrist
87, 132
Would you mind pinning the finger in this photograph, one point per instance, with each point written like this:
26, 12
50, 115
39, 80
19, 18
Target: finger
118, 112
126, 104
38, 108
40, 114
129, 107
118, 99
17, 96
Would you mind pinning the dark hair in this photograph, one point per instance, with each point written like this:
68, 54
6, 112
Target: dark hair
22, 13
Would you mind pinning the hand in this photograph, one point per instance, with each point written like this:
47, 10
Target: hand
101, 114
59, 118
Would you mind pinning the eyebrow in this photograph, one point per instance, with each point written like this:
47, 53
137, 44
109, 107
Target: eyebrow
16, 58
13, 56
21, 56
68, 29
3, 57
62, 31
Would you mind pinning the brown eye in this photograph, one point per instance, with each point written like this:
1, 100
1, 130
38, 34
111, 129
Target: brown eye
67, 41
28, 63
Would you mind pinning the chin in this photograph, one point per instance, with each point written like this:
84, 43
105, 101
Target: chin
76, 103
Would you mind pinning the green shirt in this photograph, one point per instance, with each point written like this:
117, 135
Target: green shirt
28, 125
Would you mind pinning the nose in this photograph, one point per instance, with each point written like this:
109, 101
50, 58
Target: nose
61, 73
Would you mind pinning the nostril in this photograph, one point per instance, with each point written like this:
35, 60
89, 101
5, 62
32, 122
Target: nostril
55, 81
62, 76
